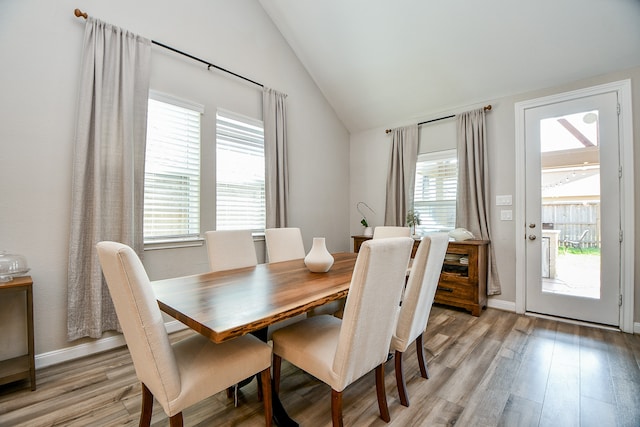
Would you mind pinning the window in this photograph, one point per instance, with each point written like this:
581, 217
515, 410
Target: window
436, 190
240, 199
172, 170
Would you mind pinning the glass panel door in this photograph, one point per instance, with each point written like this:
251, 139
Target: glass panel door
572, 209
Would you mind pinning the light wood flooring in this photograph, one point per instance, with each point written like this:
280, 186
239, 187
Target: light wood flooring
500, 369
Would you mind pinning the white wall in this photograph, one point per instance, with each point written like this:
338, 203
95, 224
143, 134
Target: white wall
370, 153
40, 51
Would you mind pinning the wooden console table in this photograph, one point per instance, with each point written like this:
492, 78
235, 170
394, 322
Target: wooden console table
358, 240
462, 284
21, 367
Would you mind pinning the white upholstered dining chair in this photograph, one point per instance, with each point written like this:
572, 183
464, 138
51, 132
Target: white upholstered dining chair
339, 352
181, 374
229, 249
285, 244
416, 305
385, 231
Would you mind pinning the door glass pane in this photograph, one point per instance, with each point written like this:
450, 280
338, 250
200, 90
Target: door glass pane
570, 189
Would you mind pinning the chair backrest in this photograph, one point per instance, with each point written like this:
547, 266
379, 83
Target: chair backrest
386, 231
420, 290
371, 309
141, 321
284, 244
229, 249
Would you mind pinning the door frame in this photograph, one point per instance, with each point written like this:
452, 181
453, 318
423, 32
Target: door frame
625, 123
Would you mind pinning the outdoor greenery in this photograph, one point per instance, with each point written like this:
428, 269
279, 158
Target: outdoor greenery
578, 251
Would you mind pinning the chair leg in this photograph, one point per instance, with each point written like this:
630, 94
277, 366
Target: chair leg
265, 379
147, 407
176, 420
382, 395
259, 387
277, 363
402, 386
336, 408
421, 360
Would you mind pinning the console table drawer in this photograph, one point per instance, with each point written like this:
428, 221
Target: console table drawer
447, 290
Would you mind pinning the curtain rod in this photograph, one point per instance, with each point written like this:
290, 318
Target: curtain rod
84, 15
486, 108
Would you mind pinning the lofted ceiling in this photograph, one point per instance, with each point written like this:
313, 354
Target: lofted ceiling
389, 63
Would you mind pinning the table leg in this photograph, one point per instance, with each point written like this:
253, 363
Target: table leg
280, 416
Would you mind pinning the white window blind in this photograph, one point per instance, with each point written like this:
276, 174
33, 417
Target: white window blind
240, 198
436, 191
172, 170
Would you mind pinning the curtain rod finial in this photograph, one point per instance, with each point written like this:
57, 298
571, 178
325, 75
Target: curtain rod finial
487, 108
80, 13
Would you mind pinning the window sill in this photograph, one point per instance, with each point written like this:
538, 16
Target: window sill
173, 244
188, 243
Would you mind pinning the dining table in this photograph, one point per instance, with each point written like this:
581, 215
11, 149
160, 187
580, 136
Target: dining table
227, 304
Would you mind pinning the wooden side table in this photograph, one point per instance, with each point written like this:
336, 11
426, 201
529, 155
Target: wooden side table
358, 240
464, 284
21, 367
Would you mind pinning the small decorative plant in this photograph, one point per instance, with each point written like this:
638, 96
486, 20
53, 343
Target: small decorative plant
413, 219
364, 222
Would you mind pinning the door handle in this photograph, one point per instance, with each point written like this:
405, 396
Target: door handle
532, 237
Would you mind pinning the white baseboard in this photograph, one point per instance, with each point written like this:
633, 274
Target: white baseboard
636, 328
501, 304
81, 350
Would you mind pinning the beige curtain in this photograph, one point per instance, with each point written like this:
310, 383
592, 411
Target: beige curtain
472, 207
274, 115
108, 168
402, 175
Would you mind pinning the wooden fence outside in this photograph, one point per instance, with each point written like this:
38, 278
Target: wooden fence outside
572, 220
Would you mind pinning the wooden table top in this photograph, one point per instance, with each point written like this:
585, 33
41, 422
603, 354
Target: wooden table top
227, 304
17, 282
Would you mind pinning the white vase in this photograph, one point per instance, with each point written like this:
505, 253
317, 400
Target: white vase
318, 260
368, 232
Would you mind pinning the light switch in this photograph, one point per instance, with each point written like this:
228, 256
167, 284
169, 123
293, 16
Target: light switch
505, 200
506, 215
